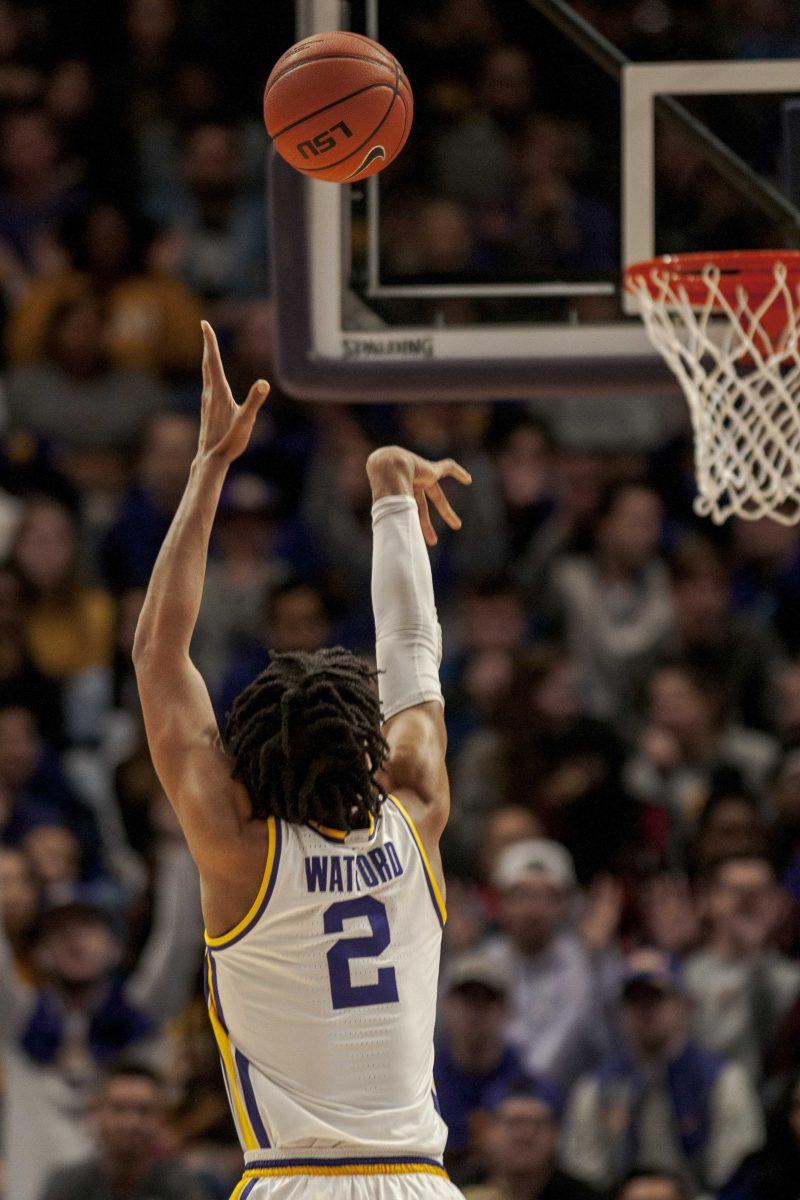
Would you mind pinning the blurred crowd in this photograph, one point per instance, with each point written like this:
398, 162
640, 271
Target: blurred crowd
496, 83
620, 1009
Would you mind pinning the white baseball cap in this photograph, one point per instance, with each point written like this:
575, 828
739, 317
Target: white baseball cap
534, 858
476, 968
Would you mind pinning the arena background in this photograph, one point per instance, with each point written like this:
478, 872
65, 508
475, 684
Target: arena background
621, 678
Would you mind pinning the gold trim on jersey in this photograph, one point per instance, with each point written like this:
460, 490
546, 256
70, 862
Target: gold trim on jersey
225, 939
237, 1191
383, 1168
338, 835
436, 893
226, 1054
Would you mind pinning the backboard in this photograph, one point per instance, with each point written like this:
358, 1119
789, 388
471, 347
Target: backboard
373, 299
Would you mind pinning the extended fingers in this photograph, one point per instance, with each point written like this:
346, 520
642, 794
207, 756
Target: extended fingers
448, 467
206, 375
443, 506
428, 532
256, 396
213, 370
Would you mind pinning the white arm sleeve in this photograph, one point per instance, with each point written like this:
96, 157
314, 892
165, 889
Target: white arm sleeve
408, 639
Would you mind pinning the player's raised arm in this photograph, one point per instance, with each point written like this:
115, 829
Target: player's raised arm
408, 636
181, 728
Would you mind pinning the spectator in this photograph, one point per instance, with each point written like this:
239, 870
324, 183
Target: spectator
336, 509
729, 825
153, 320
20, 80
124, 694
218, 226
19, 908
731, 647
772, 1173
466, 916
687, 745
197, 93
296, 618
669, 919
84, 408
474, 1065
783, 1062
134, 540
240, 573
695, 202
70, 625
40, 187
90, 126
521, 1144
645, 1184
545, 224
200, 1119
491, 616
524, 464
437, 430
20, 681
544, 752
485, 135
553, 1019
663, 1102
32, 778
786, 830
615, 601
152, 29
766, 580
129, 1115
491, 630
766, 31
577, 483
504, 826
443, 244
458, 29
54, 854
741, 986
60, 1033
788, 706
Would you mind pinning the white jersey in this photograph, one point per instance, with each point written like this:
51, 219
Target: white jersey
323, 1001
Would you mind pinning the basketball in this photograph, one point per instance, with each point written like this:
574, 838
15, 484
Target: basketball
338, 106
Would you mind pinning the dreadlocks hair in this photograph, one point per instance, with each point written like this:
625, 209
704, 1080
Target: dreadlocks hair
305, 740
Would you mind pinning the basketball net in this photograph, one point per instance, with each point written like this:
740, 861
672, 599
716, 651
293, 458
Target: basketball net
734, 351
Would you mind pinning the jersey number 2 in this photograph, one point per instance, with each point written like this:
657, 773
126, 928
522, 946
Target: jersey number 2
344, 993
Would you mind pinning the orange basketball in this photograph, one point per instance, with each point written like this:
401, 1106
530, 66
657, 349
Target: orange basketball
338, 106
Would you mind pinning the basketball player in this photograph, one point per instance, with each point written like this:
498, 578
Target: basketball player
314, 822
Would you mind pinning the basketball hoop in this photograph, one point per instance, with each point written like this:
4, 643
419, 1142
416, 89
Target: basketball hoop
728, 326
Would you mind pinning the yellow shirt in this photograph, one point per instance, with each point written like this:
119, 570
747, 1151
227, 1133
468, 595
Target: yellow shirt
153, 324
65, 638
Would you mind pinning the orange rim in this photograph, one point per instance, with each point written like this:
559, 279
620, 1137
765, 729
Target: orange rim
750, 270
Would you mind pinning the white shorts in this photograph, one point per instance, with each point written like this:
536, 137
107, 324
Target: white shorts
425, 1183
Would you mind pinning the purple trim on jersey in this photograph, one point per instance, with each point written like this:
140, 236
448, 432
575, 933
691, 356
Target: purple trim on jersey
248, 1189
243, 1067
215, 991
267, 895
393, 1161
423, 864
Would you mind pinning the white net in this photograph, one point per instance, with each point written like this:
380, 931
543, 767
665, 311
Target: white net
742, 386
